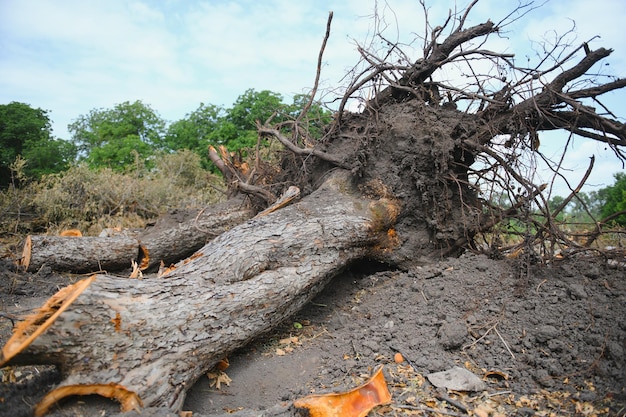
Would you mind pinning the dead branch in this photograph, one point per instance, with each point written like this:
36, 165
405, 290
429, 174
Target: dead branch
317, 74
333, 159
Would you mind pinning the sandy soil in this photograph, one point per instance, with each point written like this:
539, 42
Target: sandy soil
551, 342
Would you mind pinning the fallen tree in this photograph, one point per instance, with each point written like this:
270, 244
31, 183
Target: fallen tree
396, 183
149, 340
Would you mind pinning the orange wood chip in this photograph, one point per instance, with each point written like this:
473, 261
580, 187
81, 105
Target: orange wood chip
128, 399
354, 403
38, 322
71, 233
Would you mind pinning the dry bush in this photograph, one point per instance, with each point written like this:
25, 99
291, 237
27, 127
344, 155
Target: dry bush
92, 200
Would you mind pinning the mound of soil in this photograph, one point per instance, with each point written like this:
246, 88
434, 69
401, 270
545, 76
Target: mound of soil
549, 341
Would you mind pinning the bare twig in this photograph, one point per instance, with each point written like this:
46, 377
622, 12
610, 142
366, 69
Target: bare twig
318, 72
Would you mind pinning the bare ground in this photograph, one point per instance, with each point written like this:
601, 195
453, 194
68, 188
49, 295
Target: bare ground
549, 340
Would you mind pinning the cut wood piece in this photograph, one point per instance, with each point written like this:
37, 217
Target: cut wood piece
79, 254
357, 402
156, 337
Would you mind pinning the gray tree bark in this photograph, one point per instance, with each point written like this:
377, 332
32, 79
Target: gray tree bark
170, 241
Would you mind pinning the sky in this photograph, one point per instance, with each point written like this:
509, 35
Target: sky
72, 56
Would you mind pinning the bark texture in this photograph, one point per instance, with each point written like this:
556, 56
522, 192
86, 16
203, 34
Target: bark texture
151, 339
171, 240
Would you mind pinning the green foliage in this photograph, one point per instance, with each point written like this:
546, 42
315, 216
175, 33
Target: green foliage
49, 156
235, 127
238, 128
27, 131
317, 118
614, 198
194, 130
127, 153
105, 138
583, 208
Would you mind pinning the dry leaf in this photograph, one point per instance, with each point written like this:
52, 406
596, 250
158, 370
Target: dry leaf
483, 410
223, 364
218, 378
497, 375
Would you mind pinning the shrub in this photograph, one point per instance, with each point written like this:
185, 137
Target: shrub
94, 199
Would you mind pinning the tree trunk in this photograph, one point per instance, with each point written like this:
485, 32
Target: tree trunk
169, 240
145, 342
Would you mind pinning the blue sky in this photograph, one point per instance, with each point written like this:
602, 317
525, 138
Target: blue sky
72, 56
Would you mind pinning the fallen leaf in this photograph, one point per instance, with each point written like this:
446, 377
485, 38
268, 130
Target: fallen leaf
483, 410
497, 375
223, 364
218, 378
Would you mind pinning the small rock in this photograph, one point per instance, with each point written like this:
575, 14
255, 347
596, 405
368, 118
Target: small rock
587, 395
525, 412
593, 272
615, 351
543, 378
555, 345
577, 292
545, 333
458, 379
453, 334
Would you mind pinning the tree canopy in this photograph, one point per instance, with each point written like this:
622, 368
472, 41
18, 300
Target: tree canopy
130, 133
27, 132
118, 137
614, 198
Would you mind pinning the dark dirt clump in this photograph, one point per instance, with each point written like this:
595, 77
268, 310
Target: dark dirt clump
554, 344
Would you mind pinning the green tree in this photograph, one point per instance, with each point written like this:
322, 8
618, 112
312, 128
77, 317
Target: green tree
27, 131
237, 129
194, 130
117, 137
614, 197
316, 119
48, 156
